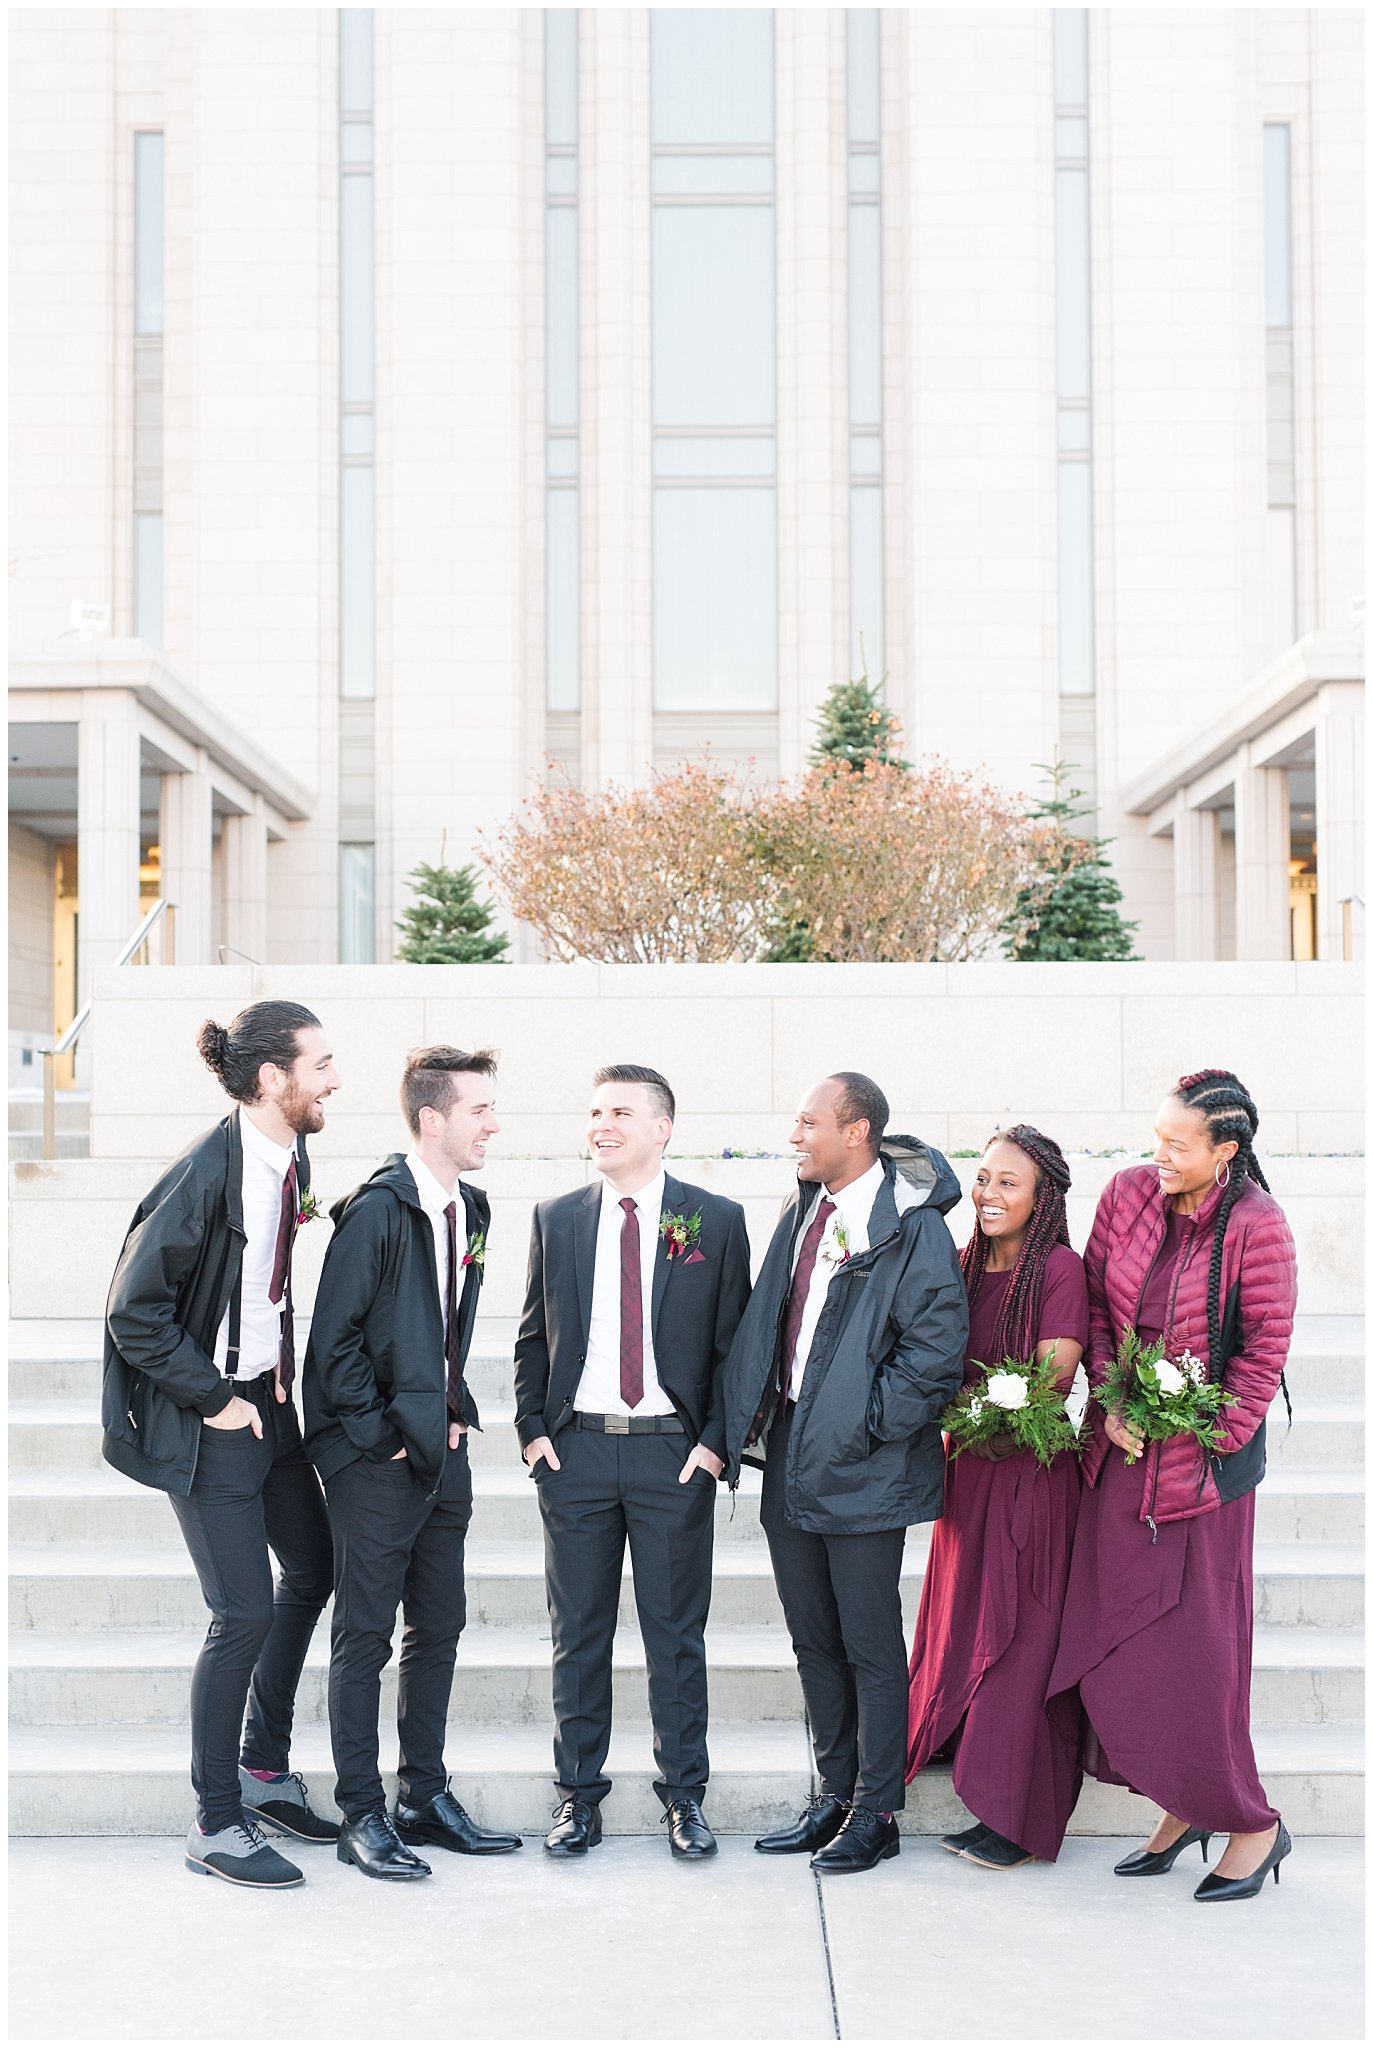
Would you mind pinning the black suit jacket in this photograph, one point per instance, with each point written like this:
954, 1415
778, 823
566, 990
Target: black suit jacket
696, 1308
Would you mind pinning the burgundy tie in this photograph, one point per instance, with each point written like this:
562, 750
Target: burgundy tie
800, 1289
280, 1289
631, 1308
450, 1318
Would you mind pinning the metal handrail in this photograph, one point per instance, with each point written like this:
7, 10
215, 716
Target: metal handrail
147, 925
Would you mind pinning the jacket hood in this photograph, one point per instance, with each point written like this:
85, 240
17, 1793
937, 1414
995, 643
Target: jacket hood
395, 1176
921, 1177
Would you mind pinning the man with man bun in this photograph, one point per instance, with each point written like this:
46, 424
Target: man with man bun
199, 1366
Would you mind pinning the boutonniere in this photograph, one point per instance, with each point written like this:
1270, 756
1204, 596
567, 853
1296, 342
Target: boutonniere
680, 1235
309, 1210
836, 1252
475, 1255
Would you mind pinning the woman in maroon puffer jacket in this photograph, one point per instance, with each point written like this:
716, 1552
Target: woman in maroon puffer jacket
1157, 1637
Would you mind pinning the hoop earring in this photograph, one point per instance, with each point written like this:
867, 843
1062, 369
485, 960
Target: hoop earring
1226, 1182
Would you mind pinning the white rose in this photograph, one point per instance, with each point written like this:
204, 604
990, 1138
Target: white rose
1007, 1390
1170, 1380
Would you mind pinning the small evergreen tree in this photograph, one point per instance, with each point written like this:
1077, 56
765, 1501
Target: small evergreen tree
447, 926
855, 726
1079, 919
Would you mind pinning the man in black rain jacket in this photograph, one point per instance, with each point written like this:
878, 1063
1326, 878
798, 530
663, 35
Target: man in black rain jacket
848, 1352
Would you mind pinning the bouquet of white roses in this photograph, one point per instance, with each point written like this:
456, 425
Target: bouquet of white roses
1018, 1399
1157, 1396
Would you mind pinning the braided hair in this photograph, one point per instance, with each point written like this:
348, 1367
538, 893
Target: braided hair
1014, 1336
1226, 1108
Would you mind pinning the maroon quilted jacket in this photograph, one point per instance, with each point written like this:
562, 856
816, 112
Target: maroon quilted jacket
1258, 1293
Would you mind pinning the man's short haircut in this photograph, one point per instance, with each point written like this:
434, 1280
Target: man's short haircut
862, 1098
265, 1034
665, 1102
427, 1080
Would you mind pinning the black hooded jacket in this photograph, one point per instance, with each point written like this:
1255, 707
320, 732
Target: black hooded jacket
181, 1260
374, 1378
865, 1451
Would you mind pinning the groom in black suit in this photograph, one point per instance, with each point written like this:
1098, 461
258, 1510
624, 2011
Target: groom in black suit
636, 1287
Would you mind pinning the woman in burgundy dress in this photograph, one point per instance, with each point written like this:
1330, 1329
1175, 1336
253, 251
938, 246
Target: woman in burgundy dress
1154, 1659
998, 1565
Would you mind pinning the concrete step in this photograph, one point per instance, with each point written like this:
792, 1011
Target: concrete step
100, 1506
150, 1587
134, 1781
127, 1679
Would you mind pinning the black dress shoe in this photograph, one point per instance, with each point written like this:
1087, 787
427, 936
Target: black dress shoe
447, 1825
1153, 1862
819, 1824
1217, 1887
995, 1852
576, 1828
370, 1843
864, 1840
687, 1829
964, 1839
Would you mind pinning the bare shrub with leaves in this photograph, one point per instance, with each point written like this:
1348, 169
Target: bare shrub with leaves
894, 864
670, 871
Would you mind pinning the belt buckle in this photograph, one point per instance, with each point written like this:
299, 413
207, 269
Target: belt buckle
617, 1425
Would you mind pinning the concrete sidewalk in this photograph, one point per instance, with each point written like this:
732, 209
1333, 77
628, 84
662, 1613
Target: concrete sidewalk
113, 1940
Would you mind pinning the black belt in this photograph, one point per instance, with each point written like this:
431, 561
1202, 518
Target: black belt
261, 1382
631, 1425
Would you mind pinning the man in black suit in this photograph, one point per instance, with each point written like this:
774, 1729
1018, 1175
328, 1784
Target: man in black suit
636, 1287
387, 1411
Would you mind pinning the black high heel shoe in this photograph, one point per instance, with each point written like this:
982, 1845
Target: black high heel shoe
1153, 1862
1218, 1887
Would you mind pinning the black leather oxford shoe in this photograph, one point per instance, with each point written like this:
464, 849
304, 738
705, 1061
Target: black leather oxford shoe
446, 1825
820, 1823
576, 1828
688, 1830
864, 1841
372, 1846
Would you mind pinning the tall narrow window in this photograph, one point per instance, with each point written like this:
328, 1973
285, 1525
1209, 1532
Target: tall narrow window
562, 401
1073, 309
714, 356
357, 905
1280, 580
149, 267
357, 375
866, 599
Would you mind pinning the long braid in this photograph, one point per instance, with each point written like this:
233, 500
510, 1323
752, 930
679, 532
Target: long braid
1227, 1109
1014, 1336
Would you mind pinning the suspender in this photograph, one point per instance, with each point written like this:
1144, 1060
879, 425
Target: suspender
235, 1321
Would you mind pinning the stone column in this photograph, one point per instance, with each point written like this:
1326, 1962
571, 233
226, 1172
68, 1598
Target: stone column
187, 833
245, 883
1196, 882
1263, 848
1339, 820
107, 829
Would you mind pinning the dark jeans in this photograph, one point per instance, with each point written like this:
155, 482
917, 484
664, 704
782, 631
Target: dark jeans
613, 1488
395, 1546
250, 1495
841, 1596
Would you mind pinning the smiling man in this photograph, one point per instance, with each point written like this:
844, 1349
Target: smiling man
199, 1365
635, 1289
848, 1352
388, 1410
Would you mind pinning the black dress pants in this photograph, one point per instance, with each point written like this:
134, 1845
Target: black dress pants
396, 1546
251, 1495
841, 1596
611, 1489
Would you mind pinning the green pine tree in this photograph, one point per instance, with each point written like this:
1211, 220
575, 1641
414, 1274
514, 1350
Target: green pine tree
1080, 919
447, 926
855, 726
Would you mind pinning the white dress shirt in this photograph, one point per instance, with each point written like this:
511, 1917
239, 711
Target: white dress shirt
598, 1389
434, 1199
265, 1167
852, 1208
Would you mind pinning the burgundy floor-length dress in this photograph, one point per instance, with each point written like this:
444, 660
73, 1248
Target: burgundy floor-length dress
989, 1613
1154, 1657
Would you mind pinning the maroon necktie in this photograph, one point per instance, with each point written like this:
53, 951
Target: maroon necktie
280, 1289
800, 1288
631, 1308
452, 1333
